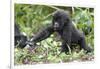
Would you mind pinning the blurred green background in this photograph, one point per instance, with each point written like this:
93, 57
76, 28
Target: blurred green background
33, 18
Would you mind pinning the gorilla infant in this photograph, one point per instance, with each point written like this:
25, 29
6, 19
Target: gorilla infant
62, 24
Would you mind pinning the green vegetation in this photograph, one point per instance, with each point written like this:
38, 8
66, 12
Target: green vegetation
32, 18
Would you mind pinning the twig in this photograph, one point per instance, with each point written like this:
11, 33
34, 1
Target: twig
69, 49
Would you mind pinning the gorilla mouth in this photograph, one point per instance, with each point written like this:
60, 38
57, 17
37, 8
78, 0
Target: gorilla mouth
56, 28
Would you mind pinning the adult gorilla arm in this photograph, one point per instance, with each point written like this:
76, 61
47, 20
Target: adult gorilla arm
19, 38
45, 33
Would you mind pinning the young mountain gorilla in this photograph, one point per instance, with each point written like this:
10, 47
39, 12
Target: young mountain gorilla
63, 25
20, 39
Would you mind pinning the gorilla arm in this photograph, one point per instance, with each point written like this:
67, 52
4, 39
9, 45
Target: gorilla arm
45, 33
66, 39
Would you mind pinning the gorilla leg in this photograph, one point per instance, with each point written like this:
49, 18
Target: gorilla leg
83, 45
64, 48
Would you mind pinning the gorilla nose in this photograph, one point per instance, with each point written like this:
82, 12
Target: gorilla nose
56, 25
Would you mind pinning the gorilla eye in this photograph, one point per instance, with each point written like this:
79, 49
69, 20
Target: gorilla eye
57, 19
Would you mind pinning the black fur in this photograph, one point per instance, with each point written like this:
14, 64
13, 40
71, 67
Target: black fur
20, 39
62, 24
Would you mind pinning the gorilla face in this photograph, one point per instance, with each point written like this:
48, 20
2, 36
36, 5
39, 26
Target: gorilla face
60, 18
